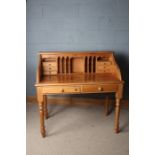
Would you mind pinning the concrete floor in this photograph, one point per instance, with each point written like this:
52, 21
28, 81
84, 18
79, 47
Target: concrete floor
76, 130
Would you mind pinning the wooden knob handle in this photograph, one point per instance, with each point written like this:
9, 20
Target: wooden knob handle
75, 89
62, 90
100, 88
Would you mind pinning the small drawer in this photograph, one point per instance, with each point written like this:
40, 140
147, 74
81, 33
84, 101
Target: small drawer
47, 64
103, 63
103, 69
50, 72
99, 88
61, 89
50, 68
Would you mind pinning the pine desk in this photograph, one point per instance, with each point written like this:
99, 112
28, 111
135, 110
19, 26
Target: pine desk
77, 73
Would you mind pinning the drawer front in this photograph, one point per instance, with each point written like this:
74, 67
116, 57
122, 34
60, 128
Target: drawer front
50, 72
49, 68
104, 69
99, 88
61, 89
102, 63
48, 64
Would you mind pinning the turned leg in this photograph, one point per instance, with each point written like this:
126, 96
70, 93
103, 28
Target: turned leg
45, 107
107, 105
41, 111
117, 114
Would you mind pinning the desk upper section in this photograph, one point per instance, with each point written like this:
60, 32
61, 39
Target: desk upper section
73, 63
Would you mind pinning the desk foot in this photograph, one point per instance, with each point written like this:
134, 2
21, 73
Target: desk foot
43, 134
116, 130
41, 111
117, 114
106, 106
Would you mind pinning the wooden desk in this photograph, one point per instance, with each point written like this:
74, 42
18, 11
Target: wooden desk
77, 73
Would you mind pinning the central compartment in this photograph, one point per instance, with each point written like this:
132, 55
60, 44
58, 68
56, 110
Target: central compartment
77, 65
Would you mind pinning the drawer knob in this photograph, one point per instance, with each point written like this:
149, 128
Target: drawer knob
62, 90
75, 89
100, 88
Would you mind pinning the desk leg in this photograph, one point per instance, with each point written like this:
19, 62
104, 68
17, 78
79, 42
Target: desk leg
117, 114
45, 107
107, 105
41, 111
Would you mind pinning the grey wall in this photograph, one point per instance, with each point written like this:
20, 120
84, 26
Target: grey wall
76, 25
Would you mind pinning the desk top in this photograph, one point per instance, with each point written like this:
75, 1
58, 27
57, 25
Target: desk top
78, 79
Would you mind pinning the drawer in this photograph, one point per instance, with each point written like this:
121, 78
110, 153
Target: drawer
61, 89
102, 63
103, 69
47, 64
49, 69
50, 72
99, 88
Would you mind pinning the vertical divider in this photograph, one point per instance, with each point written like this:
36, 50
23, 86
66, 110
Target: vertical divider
96, 62
57, 65
92, 64
60, 66
69, 65
87, 64
83, 57
64, 64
